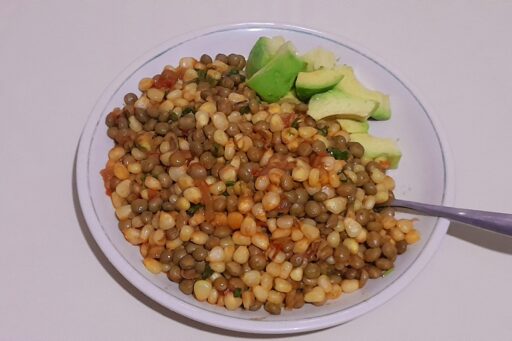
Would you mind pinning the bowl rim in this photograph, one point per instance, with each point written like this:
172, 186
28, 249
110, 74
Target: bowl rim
224, 321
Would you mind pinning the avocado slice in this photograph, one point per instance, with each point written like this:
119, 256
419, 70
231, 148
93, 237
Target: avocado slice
290, 98
319, 58
352, 126
340, 105
350, 85
378, 148
314, 82
261, 53
277, 77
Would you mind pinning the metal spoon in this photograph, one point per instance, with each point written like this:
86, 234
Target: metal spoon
492, 221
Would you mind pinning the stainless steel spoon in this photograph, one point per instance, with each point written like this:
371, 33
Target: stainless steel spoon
492, 221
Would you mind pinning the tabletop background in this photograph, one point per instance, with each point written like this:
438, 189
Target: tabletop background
56, 57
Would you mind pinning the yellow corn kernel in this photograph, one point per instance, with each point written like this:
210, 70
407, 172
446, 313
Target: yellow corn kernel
156, 95
275, 297
116, 153
251, 278
310, 232
273, 269
241, 255
248, 226
276, 123
124, 212
333, 239
405, 225
208, 107
190, 75
145, 84
307, 132
336, 205
202, 290
123, 188
316, 295
240, 239
300, 174
247, 299
301, 246
219, 267
146, 232
260, 240
152, 183
324, 283
182, 204
199, 237
281, 233
157, 238
279, 257
132, 236
166, 221
120, 171
396, 234
271, 200
351, 245
186, 233
349, 285
220, 137
286, 269
193, 194
352, 227
173, 244
266, 280
335, 292
361, 238
412, 237
297, 234
230, 301
153, 265
282, 285
274, 108
260, 293
213, 297
296, 274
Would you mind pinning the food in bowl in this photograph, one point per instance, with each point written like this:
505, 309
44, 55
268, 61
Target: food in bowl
250, 203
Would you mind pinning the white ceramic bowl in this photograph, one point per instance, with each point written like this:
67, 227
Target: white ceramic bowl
423, 175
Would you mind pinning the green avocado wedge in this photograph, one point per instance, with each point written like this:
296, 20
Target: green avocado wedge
276, 78
314, 82
377, 148
261, 53
350, 85
319, 58
337, 104
352, 126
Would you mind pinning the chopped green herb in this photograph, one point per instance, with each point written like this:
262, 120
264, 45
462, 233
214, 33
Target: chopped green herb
201, 74
194, 208
230, 183
338, 154
387, 272
187, 110
233, 72
211, 81
237, 292
217, 150
207, 272
174, 116
295, 123
323, 131
245, 110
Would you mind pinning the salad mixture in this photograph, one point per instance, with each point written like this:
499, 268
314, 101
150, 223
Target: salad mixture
255, 183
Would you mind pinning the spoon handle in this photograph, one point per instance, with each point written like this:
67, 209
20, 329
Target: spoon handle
492, 221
